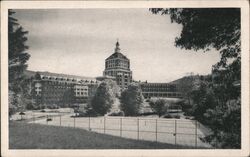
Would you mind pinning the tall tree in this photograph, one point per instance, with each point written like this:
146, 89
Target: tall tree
103, 99
158, 106
217, 28
202, 31
203, 99
18, 57
131, 100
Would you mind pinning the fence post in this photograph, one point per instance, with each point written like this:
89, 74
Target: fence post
60, 120
89, 123
47, 119
156, 130
138, 131
121, 127
74, 121
104, 124
33, 118
196, 136
175, 132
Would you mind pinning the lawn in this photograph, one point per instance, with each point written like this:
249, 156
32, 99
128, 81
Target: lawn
35, 136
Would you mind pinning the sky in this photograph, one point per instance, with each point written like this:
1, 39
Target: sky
77, 42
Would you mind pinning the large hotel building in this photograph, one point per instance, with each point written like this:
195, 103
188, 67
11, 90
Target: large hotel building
52, 88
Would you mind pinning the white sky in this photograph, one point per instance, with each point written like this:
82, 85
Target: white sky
78, 42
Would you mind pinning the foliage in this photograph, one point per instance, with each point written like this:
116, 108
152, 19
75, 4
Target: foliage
131, 100
168, 116
103, 99
52, 106
202, 31
86, 110
120, 113
177, 116
227, 132
115, 88
18, 58
158, 106
204, 99
185, 86
184, 106
17, 55
37, 76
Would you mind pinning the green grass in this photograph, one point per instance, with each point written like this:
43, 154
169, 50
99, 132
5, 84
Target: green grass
35, 136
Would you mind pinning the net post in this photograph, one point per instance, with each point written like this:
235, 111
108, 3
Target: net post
60, 120
175, 132
33, 118
121, 127
104, 125
156, 130
74, 121
138, 131
196, 135
89, 123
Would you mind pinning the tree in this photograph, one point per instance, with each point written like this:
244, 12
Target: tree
226, 130
204, 99
158, 106
103, 99
202, 31
18, 57
186, 86
115, 88
131, 100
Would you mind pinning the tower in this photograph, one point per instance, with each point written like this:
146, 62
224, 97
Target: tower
118, 66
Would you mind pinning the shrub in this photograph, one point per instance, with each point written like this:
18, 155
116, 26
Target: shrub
120, 113
168, 116
29, 106
12, 110
49, 119
188, 112
177, 116
53, 106
147, 113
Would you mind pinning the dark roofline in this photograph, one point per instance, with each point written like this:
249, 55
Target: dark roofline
31, 73
125, 57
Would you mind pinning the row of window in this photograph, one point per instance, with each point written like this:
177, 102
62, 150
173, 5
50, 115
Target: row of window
70, 80
157, 85
82, 89
81, 94
117, 73
158, 89
162, 94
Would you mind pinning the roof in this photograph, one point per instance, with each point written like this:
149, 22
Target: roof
117, 55
46, 73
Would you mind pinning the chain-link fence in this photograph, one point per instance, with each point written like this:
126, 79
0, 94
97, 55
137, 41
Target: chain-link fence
173, 131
